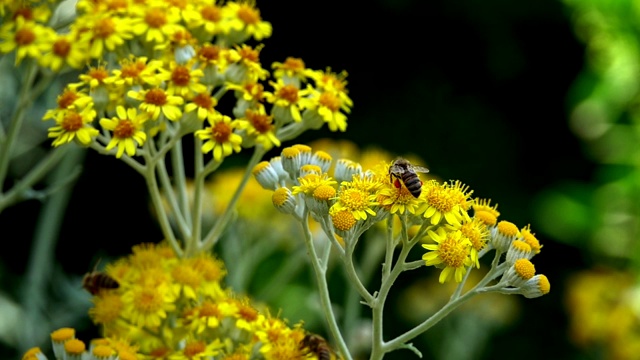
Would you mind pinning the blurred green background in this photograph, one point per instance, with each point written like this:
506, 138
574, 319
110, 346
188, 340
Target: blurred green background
530, 103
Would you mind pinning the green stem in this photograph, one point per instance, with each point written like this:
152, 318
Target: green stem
323, 288
41, 259
17, 192
156, 199
379, 347
25, 98
198, 187
453, 303
180, 182
216, 231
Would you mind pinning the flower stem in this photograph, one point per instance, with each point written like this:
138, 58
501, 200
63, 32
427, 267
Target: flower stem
216, 231
321, 280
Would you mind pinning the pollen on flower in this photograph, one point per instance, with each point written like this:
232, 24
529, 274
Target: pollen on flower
324, 192
221, 132
248, 15
155, 97
74, 346
63, 334
544, 285
507, 228
329, 100
124, 129
102, 351
524, 268
72, 121
181, 76
107, 308
194, 348
280, 196
343, 220
187, 275
486, 217
288, 93
530, 239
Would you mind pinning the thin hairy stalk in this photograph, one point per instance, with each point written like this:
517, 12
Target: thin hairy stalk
180, 183
216, 231
198, 187
179, 214
352, 274
453, 303
323, 288
41, 259
18, 192
25, 99
156, 198
379, 348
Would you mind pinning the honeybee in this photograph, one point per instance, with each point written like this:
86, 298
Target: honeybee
403, 170
96, 281
316, 345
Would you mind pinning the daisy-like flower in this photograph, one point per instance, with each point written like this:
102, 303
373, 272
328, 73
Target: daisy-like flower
245, 65
148, 305
104, 33
136, 71
445, 201
203, 104
26, 37
485, 205
211, 19
70, 97
451, 252
530, 238
336, 83
261, 127
94, 76
198, 350
252, 92
478, 233
288, 100
106, 309
157, 23
71, 124
127, 130
156, 101
245, 17
329, 106
184, 80
186, 280
355, 200
65, 49
398, 200
220, 136
291, 71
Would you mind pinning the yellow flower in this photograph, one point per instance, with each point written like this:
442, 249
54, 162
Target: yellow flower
203, 104
220, 136
290, 99
450, 252
65, 49
292, 70
157, 22
156, 101
26, 37
126, 128
183, 80
261, 127
136, 71
445, 201
478, 233
148, 305
328, 105
355, 200
71, 124
245, 17
198, 350
104, 32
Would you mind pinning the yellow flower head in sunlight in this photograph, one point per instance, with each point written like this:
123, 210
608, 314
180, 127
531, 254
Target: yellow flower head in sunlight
71, 124
448, 201
355, 200
127, 131
478, 233
26, 37
244, 16
148, 305
451, 252
220, 136
157, 101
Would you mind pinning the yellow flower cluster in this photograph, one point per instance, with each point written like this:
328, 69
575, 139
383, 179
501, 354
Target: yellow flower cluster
170, 308
153, 67
348, 199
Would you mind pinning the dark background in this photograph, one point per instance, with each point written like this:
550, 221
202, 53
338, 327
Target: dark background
476, 88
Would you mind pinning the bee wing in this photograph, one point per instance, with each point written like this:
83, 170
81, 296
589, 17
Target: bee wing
420, 169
